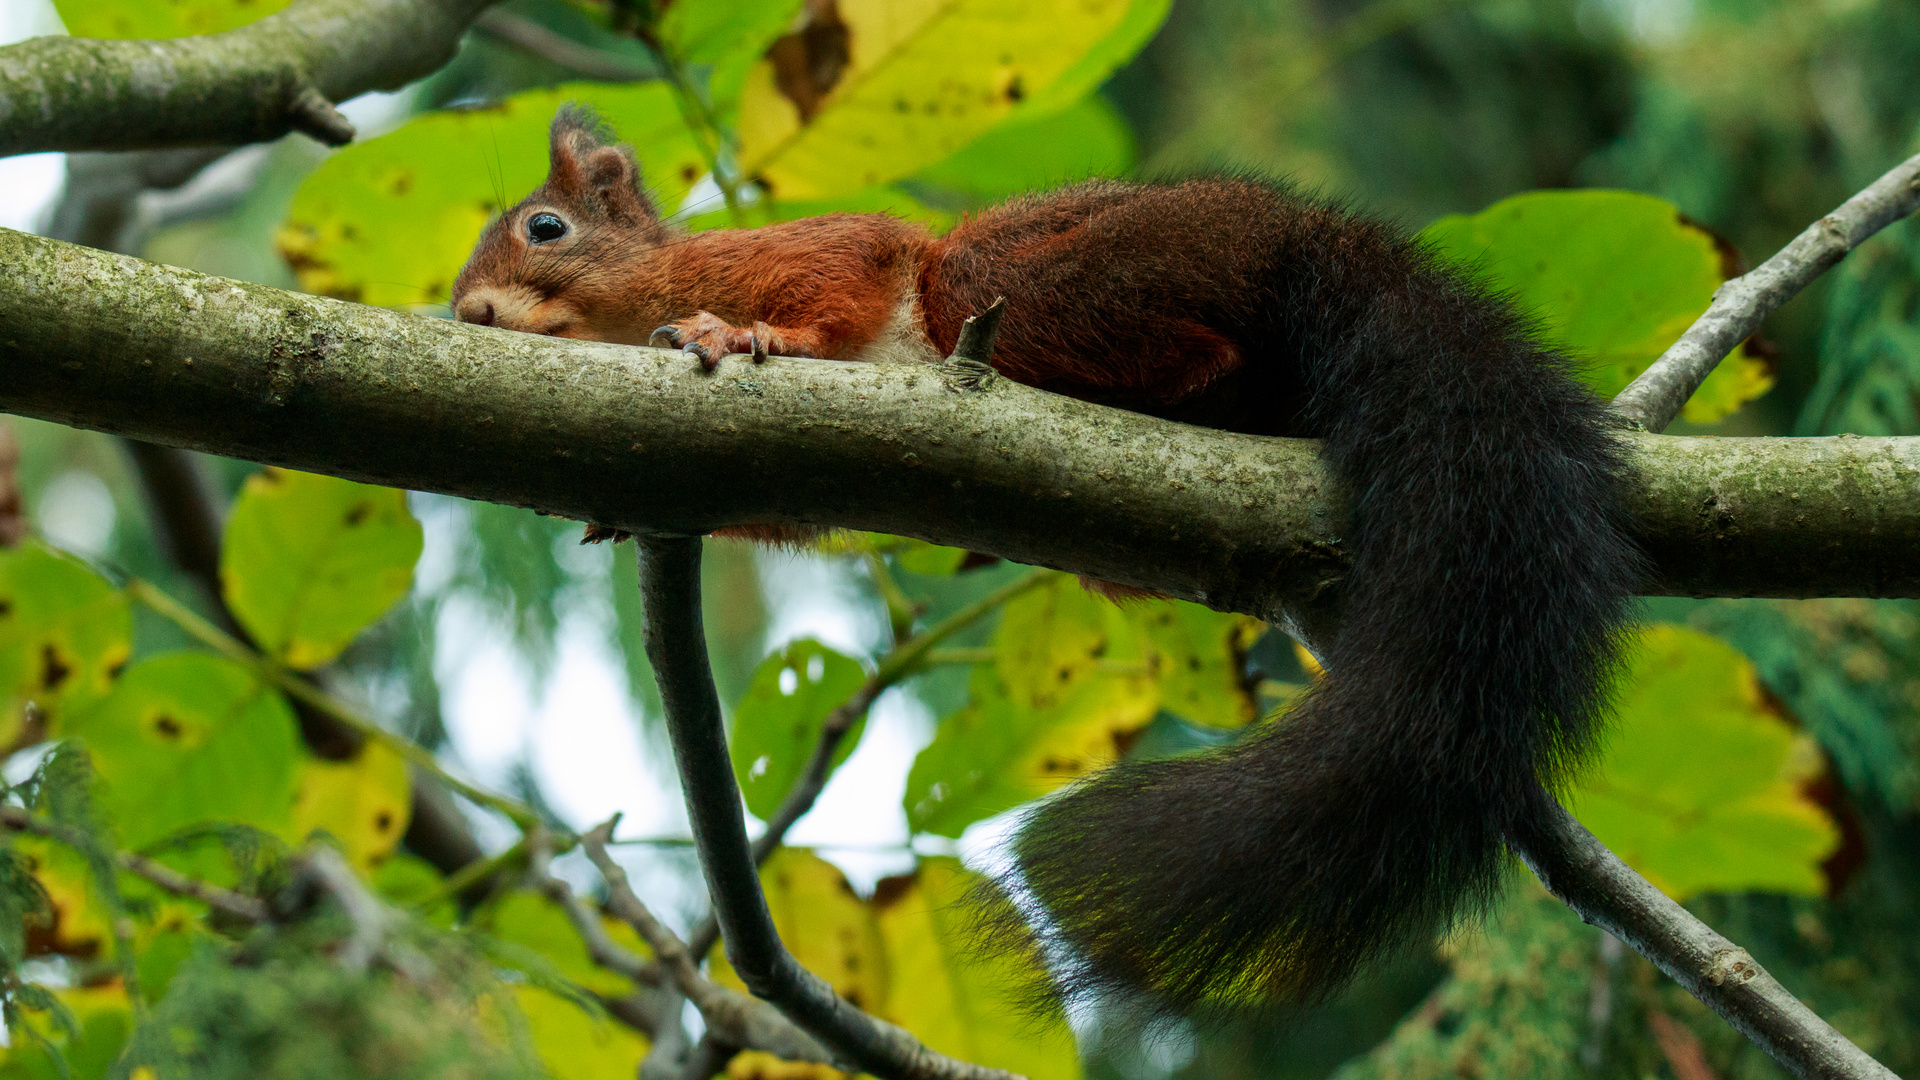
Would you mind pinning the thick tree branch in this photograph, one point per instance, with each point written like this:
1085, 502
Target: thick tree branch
676, 646
255, 83
1740, 305
644, 440
1607, 893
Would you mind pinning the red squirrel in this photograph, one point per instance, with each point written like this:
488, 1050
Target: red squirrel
1492, 570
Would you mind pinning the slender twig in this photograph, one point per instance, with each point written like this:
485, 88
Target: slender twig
531, 37
1607, 893
709, 134
676, 646
904, 660
292, 684
1739, 305
238, 905
739, 1019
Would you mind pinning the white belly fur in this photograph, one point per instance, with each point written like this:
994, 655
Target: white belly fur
903, 340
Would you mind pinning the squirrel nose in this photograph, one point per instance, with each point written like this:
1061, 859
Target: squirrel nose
477, 311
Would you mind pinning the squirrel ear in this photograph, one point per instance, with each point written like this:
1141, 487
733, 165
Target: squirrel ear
565, 150
613, 176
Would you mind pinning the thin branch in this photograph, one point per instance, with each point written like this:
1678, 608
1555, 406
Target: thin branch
1607, 893
739, 1019
1740, 305
238, 905
642, 440
252, 84
676, 646
906, 659
530, 37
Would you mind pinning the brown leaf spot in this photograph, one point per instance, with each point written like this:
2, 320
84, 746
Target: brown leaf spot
53, 670
382, 821
167, 727
1016, 91
359, 512
808, 63
6, 608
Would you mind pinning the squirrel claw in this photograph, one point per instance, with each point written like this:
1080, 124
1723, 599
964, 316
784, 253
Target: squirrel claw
664, 337
708, 360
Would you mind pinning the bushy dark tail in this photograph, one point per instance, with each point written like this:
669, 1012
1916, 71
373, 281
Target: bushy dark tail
1491, 577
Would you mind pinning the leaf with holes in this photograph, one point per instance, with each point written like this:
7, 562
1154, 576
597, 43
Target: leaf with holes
921, 80
1704, 784
391, 220
188, 739
778, 722
309, 561
824, 924
959, 999
1614, 278
64, 635
155, 19
998, 751
362, 803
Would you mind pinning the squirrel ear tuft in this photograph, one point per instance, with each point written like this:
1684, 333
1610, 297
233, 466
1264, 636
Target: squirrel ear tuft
587, 165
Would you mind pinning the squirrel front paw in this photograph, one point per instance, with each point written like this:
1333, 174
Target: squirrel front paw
709, 338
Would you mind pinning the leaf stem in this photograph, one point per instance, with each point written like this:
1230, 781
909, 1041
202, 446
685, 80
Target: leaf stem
291, 683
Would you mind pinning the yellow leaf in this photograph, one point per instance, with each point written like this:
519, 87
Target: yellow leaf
81, 925
576, 1044
958, 1000
1702, 785
924, 78
824, 924
362, 803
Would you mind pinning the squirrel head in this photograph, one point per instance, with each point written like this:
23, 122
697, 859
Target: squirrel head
553, 264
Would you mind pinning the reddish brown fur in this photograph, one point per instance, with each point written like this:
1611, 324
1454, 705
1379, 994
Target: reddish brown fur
1490, 572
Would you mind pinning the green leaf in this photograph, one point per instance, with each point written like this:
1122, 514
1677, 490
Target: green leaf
709, 31
1074, 680
778, 722
999, 752
309, 561
389, 221
1037, 151
187, 738
1200, 658
532, 921
362, 803
920, 84
105, 1020
1131, 34
159, 18
64, 634
957, 998
1702, 786
578, 1044
410, 881
1614, 276
826, 927
884, 199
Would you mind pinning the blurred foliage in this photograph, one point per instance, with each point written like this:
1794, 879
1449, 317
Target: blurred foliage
1736, 122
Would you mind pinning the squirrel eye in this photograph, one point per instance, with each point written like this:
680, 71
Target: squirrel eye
544, 227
